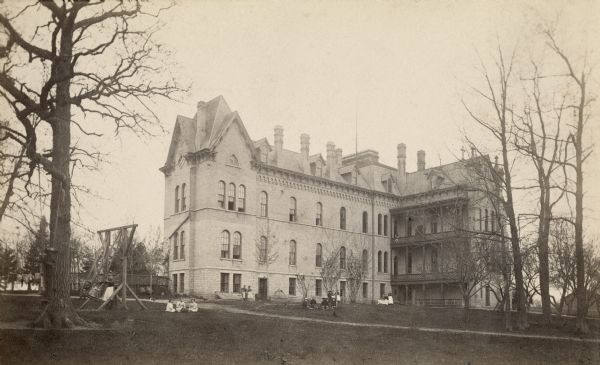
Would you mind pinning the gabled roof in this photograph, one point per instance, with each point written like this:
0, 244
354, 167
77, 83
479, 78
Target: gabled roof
206, 130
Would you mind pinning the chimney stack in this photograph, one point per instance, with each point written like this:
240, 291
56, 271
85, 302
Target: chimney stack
305, 150
201, 127
305, 145
420, 160
338, 157
401, 159
331, 158
473, 152
278, 139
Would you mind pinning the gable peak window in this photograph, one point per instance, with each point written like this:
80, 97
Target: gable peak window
233, 161
293, 215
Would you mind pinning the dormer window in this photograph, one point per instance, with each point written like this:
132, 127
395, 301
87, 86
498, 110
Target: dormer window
264, 153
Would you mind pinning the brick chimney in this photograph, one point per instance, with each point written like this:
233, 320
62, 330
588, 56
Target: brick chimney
338, 157
331, 158
278, 142
305, 150
420, 160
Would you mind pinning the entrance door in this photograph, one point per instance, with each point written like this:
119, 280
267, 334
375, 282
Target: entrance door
262, 288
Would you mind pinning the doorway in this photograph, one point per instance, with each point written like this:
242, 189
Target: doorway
262, 288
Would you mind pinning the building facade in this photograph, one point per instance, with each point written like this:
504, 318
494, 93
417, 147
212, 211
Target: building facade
243, 212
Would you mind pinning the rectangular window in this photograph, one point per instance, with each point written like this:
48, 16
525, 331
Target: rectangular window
175, 246
292, 289
420, 230
231, 197
224, 283
241, 198
434, 228
318, 287
181, 282
174, 283
409, 227
182, 246
487, 296
434, 259
408, 261
382, 290
365, 290
237, 283
385, 225
342, 289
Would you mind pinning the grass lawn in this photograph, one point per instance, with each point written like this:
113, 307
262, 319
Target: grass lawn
413, 316
219, 337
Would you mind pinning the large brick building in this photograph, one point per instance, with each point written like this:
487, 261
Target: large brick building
243, 212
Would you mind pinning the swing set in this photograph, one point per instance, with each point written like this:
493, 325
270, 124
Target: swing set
98, 287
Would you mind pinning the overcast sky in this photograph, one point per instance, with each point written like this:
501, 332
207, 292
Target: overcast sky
400, 68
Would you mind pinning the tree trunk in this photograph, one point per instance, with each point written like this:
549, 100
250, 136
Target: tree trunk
582, 326
59, 312
544, 268
518, 270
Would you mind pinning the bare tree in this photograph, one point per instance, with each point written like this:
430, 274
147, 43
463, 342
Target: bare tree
266, 247
581, 105
539, 139
562, 262
303, 284
497, 178
65, 47
156, 251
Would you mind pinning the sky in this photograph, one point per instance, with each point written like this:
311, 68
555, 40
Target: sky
376, 72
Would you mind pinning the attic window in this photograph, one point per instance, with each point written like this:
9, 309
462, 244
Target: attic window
437, 182
233, 161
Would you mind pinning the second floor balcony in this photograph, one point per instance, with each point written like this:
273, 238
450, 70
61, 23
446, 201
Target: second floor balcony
426, 277
421, 238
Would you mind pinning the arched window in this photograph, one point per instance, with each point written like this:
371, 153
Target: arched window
175, 246
395, 268
486, 220
262, 250
409, 227
378, 261
177, 199
237, 246
292, 252
182, 245
365, 260
225, 239
221, 194
319, 218
231, 197
342, 218
385, 225
385, 262
293, 216
493, 221
233, 160
319, 255
379, 224
183, 205
241, 198
264, 204
342, 257
365, 222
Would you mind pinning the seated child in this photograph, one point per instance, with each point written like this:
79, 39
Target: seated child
180, 306
193, 307
170, 307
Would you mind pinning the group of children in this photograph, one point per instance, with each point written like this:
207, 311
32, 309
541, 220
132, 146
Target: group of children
331, 301
181, 306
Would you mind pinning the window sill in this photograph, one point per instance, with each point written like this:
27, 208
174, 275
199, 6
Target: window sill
178, 260
228, 259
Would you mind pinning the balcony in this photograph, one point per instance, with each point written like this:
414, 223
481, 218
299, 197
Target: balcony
426, 238
424, 278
